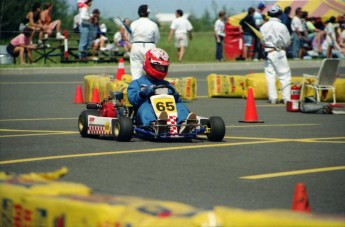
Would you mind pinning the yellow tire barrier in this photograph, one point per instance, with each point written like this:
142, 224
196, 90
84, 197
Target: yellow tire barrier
225, 85
40, 199
185, 86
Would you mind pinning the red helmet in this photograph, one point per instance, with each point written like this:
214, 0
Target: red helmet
156, 63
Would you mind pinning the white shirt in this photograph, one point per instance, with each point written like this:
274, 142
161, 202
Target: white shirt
275, 33
84, 15
144, 30
259, 20
296, 24
219, 27
181, 25
330, 36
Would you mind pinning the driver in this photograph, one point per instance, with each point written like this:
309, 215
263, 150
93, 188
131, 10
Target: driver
156, 66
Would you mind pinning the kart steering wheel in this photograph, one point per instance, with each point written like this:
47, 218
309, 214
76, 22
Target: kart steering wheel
171, 88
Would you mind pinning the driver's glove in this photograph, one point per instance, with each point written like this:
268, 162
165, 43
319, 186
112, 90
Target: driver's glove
147, 92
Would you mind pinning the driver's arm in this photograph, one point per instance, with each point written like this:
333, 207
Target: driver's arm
133, 94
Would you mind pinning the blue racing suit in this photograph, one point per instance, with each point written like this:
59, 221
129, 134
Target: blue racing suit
145, 112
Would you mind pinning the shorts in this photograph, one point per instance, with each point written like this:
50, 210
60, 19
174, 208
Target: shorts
248, 40
10, 49
181, 40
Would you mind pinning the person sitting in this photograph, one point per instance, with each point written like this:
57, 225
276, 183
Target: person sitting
99, 42
121, 38
47, 22
22, 44
156, 66
33, 21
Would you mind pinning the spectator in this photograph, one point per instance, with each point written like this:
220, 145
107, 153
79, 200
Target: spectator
139, 91
331, 40
259, 21
180, 26
121, 38
20, 45
286, 19
247, 33
145, 35
219, 34
312, 30
47, 22
33, 21
276, 38
342, 35
76, 23
85, 28
298, 34
99, 42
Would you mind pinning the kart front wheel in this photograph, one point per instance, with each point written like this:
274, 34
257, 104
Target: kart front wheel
83, 122
217, 129
123, 129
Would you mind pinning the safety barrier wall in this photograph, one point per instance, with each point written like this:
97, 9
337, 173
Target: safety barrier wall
40, 199
237, 86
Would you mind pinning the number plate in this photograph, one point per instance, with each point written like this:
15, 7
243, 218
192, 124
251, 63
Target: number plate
164, 103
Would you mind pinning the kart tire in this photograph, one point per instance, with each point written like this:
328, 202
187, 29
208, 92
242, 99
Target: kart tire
123, 129
83, 122
217, 127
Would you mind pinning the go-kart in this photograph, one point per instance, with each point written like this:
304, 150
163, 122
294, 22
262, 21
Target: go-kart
108, 118
112, 118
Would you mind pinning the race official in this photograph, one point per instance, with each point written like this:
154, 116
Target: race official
145, 35
276, 38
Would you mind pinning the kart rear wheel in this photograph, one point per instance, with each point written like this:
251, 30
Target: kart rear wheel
217, 129
123, 129
83, 122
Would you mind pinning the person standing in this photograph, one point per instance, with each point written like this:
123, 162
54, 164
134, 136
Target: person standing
180, 26
219, 34
21, 44
84, 29
144, 36
298, 31
259, 21
276, 38
247, 33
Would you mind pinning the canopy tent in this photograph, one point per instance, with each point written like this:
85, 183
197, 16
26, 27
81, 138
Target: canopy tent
315, 8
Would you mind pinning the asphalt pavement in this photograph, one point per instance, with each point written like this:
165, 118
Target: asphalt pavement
256, 166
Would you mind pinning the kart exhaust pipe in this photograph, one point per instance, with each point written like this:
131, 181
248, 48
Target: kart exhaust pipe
92, 106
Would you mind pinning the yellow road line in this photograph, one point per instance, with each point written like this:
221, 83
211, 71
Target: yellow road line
160, 149
39, 119
23, 130
290, 173
38, 134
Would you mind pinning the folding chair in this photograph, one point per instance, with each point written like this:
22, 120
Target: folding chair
324, 80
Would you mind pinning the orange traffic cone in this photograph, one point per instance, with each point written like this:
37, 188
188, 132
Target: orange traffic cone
78, 98
300, 200
95, 96
120, 69
250, 115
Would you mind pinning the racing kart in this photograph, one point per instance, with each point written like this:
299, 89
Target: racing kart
113, 118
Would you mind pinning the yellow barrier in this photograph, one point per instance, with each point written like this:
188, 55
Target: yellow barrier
117, 85
225, 85
35, 199
95, 81
185, 86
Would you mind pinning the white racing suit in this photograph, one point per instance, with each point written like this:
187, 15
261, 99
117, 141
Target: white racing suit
276, 37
